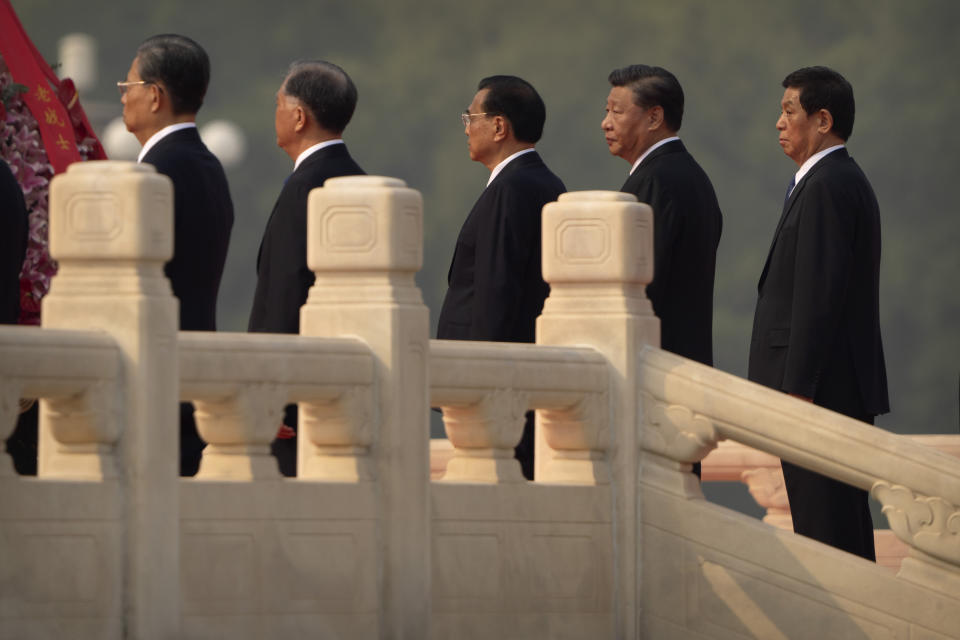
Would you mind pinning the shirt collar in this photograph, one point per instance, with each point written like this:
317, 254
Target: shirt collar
812, 160
309, 151
650, 150
163, 133
497, 169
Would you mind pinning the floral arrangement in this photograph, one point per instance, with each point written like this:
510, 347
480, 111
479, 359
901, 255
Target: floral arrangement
22, 148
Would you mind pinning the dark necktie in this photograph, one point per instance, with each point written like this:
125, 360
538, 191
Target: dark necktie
793, 183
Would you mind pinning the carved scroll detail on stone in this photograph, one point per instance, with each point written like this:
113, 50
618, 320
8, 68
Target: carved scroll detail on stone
238, 429
344, 421
86, 428
496, 421
349, 229
676, 432
85, 417
930, 524
251, 416
579, 437
582, 426
583, 241
340, 434
484, 435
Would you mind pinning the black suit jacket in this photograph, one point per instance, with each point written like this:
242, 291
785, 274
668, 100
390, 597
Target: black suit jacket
283, 278
202, 220
816, 330
495, 285
13, 243
686, 231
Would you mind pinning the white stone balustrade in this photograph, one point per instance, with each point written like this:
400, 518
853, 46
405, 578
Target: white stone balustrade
76, 373
485, 389
240, 383
761, 472
691, 406
612, 540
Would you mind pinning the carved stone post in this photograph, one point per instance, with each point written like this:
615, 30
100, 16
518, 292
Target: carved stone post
597, 258
365, 245
111, 229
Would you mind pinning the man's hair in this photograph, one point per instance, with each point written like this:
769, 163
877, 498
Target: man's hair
516, 100
325, 90
652, 87
824, 88
180, 64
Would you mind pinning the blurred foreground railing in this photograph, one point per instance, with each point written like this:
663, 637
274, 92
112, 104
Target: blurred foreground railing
611, 539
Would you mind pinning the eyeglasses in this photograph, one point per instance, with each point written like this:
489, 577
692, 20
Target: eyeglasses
125, 85
465, 117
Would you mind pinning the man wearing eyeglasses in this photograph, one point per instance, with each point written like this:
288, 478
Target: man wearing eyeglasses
495, 287
164, 89
314, 105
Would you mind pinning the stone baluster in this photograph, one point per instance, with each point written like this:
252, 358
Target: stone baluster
578, 437
365, 246
111, 230
597, 258
484, 435
337, 436
238, 430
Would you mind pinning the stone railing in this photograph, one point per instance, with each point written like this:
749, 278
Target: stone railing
239, 385
610, 540
77, 373
485, 391
761, 473
689, 408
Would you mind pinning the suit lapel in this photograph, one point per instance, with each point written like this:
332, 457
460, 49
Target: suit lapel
314, 158
638, 175
789, 204
183, 138
526, 160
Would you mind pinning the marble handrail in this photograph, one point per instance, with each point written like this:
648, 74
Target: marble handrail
239, 384
485, 390
690, 407
75, 373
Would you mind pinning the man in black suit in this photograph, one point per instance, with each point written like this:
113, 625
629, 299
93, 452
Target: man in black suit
644, 114
314, 106
495, 286
163, 91
816, 330
14, 227
13, 243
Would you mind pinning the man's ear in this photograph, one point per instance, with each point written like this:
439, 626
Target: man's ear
157, 97
301, 118
501, 128
824, 121
655, 117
